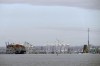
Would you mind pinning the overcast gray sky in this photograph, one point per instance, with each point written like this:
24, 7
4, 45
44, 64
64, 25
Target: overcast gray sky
91, 4
38, 24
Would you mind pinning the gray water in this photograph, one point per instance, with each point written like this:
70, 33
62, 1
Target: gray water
50, 60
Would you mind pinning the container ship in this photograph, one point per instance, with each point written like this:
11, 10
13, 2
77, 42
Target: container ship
15, 49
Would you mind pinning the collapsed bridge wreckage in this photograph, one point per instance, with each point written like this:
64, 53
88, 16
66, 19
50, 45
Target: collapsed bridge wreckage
15, 49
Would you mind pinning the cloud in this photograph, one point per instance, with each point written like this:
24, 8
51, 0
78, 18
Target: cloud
91, 4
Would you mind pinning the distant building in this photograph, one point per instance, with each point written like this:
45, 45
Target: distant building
95, 49
2, 50
39, 49
57, 49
